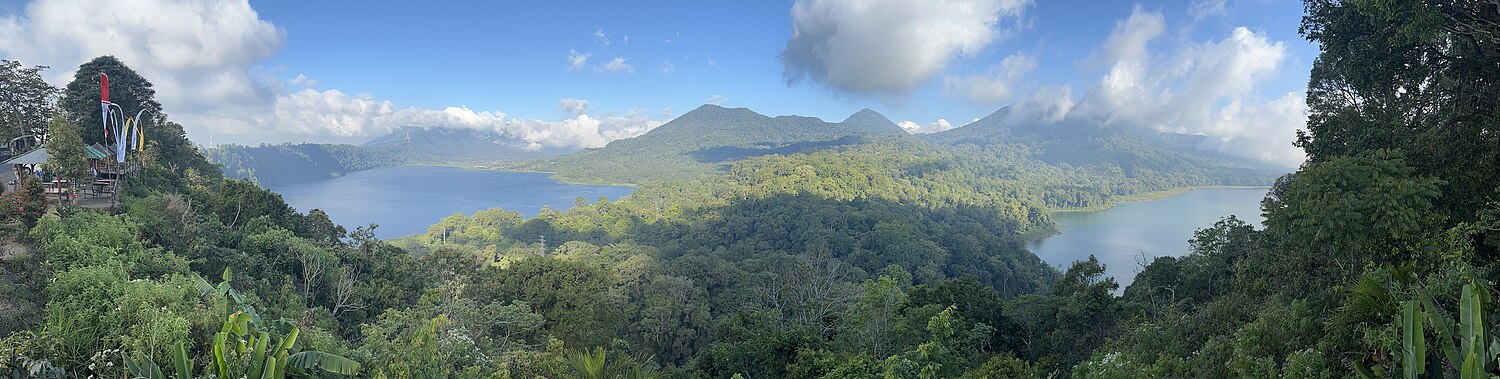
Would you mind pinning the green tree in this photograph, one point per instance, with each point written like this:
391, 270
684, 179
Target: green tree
127, 89
1414, 76
573, 296
1338, 215
876, 319
674, 321
1088, 313
67, 159
26, 100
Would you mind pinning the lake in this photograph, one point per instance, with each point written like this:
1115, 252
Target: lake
1120, 234
406, 200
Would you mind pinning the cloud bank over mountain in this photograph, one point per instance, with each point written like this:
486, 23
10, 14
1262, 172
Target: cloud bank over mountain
209, 68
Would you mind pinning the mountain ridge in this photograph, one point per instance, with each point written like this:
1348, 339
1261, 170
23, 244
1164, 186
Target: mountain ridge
703, 141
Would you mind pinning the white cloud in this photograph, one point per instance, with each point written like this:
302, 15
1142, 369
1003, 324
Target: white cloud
617, 65
667, 66
1048, 104
998, 86
1203, 9
601, 39
581, 131
914, 128
1193, 87
626, 40
206, 59
310, 112
716, 100
887, 47
577, 61
574, 106
302, 81
712, 62
202, 56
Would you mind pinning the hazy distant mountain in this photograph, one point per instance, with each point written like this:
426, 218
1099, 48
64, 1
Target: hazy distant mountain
706, 139
289, 163
1099, 145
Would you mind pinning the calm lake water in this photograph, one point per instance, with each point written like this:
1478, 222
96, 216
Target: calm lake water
1118, 235
406, 200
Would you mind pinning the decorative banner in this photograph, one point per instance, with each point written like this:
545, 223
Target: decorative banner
120, 141
104, 101
127, 132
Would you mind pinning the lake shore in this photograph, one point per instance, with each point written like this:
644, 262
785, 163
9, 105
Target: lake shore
1155, 228
407, 200
1148, 196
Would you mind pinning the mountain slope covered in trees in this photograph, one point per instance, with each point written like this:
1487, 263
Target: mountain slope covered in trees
1061, 165
704, 140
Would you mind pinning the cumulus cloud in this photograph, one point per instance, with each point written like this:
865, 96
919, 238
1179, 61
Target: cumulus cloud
364, 116
1195, 87
716, 100
577, 61
574, 106
887, 47
617, 65
667, 66
207, 67
1048, 104
202, 56
997, 86
914, 128
310, 112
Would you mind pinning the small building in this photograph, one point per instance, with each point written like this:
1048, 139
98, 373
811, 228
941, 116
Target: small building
30, 163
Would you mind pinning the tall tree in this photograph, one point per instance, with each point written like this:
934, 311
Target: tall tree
127, 89
67, 158
26, 101
1418, 76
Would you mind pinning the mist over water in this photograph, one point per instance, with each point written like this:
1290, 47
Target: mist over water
407, 200
1118, 236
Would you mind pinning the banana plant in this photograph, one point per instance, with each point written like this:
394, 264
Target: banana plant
271, 346
235, 302
597, 364
1466, 346
147, 369
271, 355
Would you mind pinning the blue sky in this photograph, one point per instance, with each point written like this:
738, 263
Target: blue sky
274, 71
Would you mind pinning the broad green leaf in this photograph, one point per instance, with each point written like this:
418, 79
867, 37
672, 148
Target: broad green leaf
317, 360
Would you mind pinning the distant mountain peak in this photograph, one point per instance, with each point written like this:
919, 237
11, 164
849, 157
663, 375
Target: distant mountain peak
870, 120
711, 109
866, 114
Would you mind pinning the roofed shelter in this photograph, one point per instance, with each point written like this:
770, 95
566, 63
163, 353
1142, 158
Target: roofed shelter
99, 160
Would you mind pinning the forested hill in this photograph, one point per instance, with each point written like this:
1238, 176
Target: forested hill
705, 140
1099, 145
288, 163
1067, 165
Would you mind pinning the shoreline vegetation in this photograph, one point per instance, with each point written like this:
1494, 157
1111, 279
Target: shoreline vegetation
1028, 237
1148, 196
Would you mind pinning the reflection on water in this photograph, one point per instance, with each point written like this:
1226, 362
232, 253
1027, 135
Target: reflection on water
1118, 236
406, 200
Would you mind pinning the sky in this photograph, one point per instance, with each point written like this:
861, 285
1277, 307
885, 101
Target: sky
577, 74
